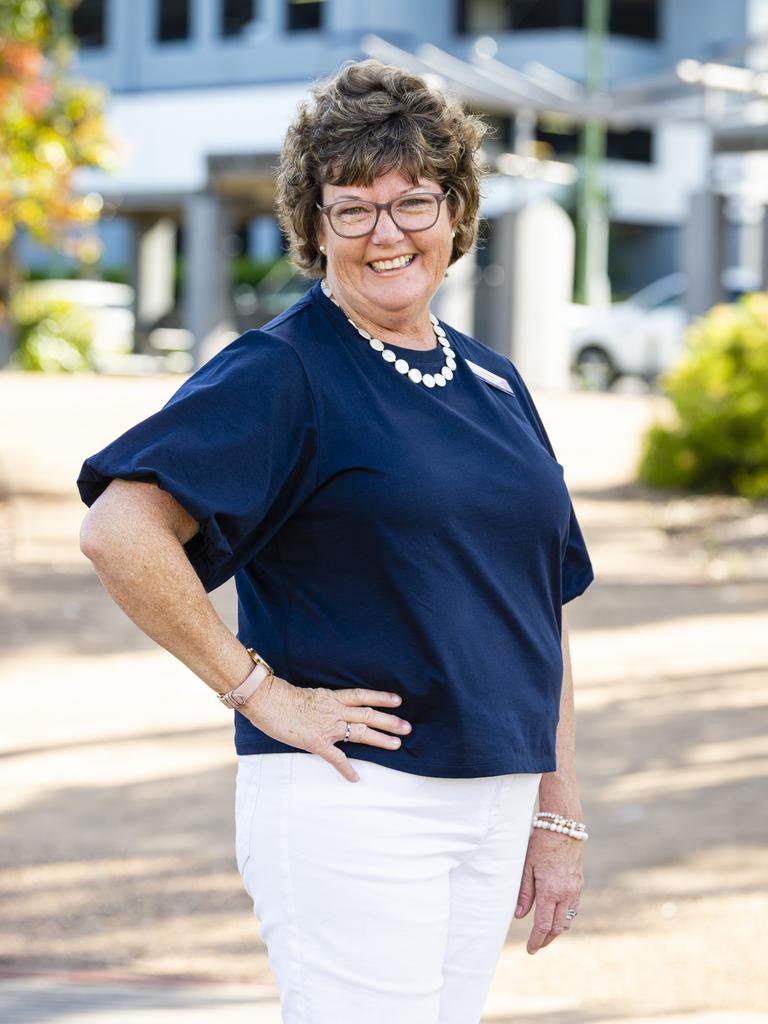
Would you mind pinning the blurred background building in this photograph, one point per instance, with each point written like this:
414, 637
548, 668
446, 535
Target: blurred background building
202, 91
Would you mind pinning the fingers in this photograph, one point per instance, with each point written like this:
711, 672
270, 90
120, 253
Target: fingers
366, 720
549, 919
335, 756
359, 695
361, 733
368, 723
525, 896
560, 923
365, 724
543, 922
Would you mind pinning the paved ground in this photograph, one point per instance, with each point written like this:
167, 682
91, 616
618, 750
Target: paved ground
119, 897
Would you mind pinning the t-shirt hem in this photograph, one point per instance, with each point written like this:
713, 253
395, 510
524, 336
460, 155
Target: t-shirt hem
578, 587
417, 766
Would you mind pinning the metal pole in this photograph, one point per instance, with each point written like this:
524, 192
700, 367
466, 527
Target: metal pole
592, 218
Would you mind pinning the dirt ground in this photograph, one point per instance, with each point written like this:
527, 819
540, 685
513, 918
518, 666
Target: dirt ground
117, 765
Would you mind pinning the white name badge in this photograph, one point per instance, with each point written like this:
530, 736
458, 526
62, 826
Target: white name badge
489, 377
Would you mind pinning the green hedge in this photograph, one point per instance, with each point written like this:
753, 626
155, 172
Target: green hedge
719, 390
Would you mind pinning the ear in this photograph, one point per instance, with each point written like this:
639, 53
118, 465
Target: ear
321, 239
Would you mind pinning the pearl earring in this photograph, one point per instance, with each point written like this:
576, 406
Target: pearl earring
322, 249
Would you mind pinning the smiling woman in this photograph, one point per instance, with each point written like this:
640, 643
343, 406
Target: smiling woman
402, 539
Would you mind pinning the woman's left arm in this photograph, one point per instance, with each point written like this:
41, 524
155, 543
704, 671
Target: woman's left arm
552, 874
558, 791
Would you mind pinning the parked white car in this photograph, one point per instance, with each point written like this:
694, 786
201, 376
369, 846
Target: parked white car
641, 336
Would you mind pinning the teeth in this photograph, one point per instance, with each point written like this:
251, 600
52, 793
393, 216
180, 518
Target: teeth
401, 261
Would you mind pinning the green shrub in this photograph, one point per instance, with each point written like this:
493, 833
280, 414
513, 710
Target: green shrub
251, 272
719, 390
55, 336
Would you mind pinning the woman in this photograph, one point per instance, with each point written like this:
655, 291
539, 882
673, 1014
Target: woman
402, 540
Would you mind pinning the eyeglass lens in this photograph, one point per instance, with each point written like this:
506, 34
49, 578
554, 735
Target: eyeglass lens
410, 213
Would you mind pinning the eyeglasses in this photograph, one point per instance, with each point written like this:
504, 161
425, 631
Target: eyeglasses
353, 218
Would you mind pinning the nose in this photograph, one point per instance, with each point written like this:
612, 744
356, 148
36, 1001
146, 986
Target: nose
386, 230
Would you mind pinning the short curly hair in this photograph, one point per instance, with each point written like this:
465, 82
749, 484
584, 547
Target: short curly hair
368, 119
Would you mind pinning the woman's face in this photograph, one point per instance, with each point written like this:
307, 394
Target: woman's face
350, 273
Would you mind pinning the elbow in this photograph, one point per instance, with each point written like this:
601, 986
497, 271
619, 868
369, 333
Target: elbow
131, 513
93, 541
104, 530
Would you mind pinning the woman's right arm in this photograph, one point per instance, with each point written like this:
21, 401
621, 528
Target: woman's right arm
133, 534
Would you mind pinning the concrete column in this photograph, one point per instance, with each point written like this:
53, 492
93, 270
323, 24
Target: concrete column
272, 15
703, 241
154, 257
529, 287
545, 245
455, 299
497, 285
204, 23
207, 310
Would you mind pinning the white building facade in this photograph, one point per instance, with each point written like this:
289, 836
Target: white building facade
202, 92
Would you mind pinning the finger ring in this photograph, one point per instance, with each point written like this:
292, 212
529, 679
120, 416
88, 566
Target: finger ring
347, 733
570, 914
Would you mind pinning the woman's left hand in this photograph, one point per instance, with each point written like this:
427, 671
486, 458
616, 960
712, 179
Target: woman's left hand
552, 877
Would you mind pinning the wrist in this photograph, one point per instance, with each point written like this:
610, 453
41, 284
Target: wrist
260, 673
259, 698
560, 795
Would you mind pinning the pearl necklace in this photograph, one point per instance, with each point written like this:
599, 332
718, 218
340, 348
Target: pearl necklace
429, 380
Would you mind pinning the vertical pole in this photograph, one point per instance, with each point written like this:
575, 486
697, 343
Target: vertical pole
592, 220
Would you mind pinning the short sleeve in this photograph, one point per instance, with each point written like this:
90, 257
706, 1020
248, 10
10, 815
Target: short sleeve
577, 572
236, 445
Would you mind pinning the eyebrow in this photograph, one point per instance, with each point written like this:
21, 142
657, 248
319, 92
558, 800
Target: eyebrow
410, 188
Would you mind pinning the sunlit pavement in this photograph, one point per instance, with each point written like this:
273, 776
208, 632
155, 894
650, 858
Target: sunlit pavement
116, 827
84, 1000
45, 999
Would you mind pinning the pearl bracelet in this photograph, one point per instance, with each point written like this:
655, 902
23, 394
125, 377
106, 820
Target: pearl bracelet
560, 819
559, 823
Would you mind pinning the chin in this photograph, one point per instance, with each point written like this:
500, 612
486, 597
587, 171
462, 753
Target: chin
395, 293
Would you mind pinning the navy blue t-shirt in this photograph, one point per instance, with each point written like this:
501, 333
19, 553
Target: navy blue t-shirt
381, 533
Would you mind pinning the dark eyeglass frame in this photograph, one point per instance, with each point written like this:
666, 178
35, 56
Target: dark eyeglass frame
439, 196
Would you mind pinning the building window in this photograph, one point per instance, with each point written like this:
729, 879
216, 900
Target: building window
562, 136
172, 20
88, 23
559, 133
501, 137
511, 15
636, 18
636, 144
304, 14
236, 16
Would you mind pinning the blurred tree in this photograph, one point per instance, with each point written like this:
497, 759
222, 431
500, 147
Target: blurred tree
50, 125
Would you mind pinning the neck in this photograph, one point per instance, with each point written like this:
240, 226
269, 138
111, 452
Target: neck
398, 327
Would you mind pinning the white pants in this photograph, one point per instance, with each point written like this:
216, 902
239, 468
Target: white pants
384, 900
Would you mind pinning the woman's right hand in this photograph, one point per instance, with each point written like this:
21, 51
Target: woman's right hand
315, 718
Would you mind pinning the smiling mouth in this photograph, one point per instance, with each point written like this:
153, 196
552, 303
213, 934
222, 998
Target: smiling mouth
391, 266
